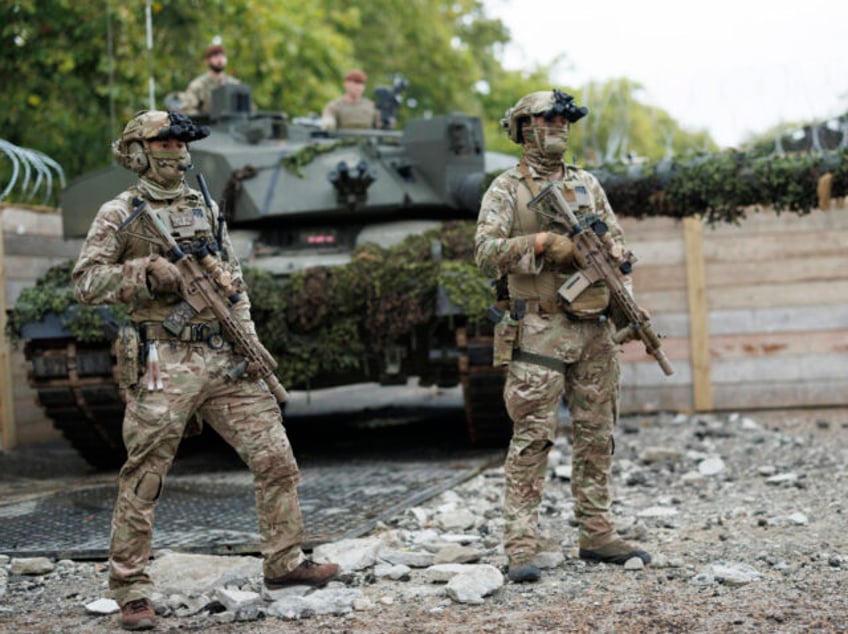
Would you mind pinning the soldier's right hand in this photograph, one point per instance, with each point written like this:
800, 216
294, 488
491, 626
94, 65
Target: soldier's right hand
560, 252
162, 275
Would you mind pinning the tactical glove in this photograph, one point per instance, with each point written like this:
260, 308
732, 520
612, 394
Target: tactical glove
560, 253
162, 276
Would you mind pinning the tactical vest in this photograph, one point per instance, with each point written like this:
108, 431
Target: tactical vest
188, 221
543, 286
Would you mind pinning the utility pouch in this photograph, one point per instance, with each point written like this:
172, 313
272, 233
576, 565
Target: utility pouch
127, 353
506, 338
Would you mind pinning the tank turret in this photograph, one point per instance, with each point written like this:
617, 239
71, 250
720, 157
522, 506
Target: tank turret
296, 197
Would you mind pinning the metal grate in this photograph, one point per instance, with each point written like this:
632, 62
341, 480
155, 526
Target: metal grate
215, 513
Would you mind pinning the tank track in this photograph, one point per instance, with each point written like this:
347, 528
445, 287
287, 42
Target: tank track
488, 424
75, 386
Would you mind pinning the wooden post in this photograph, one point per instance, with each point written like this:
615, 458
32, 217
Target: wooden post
699, 332
8, 437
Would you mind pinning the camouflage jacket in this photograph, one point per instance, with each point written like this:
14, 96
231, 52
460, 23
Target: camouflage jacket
341, 114
198, 95
504, 245
112, 265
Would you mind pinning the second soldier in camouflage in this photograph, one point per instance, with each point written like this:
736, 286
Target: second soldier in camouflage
551, 351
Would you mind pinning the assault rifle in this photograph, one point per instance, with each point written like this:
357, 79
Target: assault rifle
604, 260
205, 285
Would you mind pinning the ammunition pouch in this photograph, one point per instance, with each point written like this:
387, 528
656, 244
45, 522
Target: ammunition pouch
507, 335
129, 367
591, 303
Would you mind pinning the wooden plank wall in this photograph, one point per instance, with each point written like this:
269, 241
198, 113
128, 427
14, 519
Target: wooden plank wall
32, 243
777, 313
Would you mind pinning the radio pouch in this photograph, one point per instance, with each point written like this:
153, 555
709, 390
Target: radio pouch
127, 347
506, 337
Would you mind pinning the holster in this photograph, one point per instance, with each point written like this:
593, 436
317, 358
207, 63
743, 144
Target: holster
129, 366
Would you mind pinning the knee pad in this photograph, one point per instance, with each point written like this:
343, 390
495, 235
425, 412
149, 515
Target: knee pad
149, 487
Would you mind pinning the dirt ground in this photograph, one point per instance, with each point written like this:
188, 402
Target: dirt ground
761, 494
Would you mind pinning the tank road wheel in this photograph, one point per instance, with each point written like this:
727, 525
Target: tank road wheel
487, 422
76, 389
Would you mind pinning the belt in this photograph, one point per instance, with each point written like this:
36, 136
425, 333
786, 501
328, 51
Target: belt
521, 307
192, 333
539, 359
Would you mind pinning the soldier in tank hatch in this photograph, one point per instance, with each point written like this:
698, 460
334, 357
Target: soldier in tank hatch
351, 110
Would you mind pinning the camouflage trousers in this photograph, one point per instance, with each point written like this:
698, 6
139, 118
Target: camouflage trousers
532, 395
245, 414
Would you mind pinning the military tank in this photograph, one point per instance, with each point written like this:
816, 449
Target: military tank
295, 198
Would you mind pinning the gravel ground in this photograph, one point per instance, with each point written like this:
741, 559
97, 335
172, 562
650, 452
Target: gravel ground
744, 515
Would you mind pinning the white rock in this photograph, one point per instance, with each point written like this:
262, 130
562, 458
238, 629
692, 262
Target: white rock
349, 554
563, 472
474, 584
185, 573
413, 559
634, 563
459, 519
658, 454
396, 571
799, 519
658, 511
236, 599
782, 478
456, 554
31, 566
734, 573
547, 560
711, 466
330, 601
554, 458
102, 606
460, 538
442, 573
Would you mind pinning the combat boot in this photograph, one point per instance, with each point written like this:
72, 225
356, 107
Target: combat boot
138, 615
308, 573
617, 551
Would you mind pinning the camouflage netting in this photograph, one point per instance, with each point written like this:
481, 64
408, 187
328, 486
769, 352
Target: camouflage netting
321, 320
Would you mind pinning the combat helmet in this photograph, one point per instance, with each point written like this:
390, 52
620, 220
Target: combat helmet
547, 103
130, 150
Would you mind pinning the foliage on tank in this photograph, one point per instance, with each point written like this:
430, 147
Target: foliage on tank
52, 293
321, 320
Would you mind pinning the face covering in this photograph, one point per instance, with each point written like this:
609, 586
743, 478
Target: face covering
551, 139
167, 167
544, 146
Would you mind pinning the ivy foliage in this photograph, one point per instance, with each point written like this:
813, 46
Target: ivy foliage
722, 187
52, 294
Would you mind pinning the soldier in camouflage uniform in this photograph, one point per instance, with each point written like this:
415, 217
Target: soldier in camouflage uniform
193, 375
197, 98
551, 351
351, 110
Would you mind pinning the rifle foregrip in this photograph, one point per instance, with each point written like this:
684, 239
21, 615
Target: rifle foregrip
659, 355
276, 388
